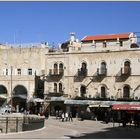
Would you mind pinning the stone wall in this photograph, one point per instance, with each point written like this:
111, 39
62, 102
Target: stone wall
18, 122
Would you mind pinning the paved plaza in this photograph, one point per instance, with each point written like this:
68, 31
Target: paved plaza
77, 129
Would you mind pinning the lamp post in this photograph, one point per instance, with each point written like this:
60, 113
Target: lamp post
11, 89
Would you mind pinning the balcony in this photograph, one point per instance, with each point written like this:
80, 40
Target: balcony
55, 74
123, 74
99, 75
101, 71
82, 72
80, 75
126, 71
55, 94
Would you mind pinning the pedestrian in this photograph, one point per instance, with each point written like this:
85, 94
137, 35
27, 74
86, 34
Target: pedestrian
63, 117
66, 116
70, 116
60, 114
56, 114
82, 115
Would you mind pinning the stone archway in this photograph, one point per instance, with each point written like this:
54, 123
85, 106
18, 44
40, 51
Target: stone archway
83, 90
3, 94
126, 91
19, 98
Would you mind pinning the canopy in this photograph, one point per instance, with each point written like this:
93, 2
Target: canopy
99, 105
61, 98
3, 96
77, 102
125, 107
39, 100
20, 96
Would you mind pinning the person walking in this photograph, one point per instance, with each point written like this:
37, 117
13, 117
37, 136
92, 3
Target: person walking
63, 117
70, 117
66, 115
56, 114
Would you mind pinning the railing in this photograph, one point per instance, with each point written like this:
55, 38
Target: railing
82, 72
102, 71
56, 94
56, 72
126, 71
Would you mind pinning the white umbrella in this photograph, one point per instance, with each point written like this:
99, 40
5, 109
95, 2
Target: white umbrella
3, 96
38, 100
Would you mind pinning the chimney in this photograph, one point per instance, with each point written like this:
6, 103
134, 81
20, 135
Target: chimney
72, 36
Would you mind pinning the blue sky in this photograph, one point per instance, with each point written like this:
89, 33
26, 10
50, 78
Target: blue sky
26, 22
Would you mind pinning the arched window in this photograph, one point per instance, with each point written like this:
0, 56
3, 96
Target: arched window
84, 66
103, 68
126, 91
55, 69
126, 64
83, 90
127, 68
61, 68
55, 87
3, 94
103, 92
19, 97
83, 70
20, 90
3, 89
60, 87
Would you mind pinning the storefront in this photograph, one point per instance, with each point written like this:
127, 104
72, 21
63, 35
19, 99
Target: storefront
125, 111
56, 104
76, 106
87, 107
35, 105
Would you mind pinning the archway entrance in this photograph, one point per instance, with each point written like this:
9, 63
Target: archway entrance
83, 90
3, 94
19, 99
126, 91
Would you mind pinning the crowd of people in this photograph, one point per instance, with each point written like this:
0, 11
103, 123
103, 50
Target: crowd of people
64, 116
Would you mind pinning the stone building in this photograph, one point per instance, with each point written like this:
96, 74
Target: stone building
97, 68
18, 66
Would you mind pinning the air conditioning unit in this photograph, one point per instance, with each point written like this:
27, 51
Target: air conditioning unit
42, 72
136, 98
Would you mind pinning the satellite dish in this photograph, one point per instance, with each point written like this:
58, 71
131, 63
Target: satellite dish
136, 97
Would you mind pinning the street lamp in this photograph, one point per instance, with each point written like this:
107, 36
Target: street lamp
11, 89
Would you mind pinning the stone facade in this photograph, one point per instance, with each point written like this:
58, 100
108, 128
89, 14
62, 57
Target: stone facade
114, 83
18, 65
99, 67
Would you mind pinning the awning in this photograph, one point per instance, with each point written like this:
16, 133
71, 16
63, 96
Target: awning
99, 105
39, 100
3, 96
58, 98
77, 102
125, 107
89, 102
20, 96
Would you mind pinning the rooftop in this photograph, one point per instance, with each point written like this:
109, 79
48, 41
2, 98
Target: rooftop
106, 37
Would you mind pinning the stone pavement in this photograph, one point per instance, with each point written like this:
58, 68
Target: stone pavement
77, 129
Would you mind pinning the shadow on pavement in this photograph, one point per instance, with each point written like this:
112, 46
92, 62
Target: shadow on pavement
112, 133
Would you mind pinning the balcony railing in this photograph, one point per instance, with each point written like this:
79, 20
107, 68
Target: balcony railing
126, 71
56, 94
82, 72
56, 72
102, 71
